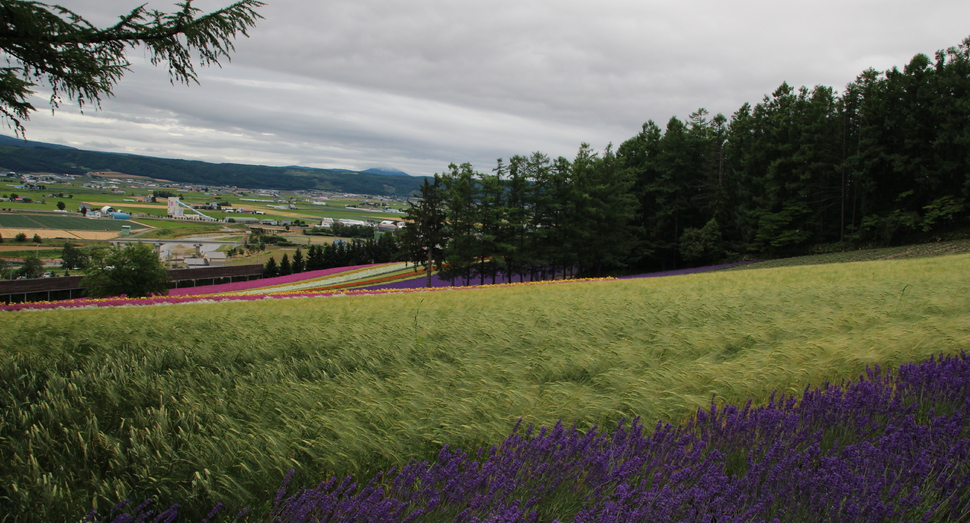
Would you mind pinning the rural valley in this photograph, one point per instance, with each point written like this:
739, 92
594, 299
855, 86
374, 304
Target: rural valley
761, 315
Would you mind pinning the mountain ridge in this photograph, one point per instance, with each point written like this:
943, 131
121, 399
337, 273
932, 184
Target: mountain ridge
25, 156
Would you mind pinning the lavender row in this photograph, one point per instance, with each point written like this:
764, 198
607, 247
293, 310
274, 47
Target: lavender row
419, 280
438, 281
888, 447
681, 272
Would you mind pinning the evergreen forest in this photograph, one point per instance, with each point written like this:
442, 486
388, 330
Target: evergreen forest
883, 162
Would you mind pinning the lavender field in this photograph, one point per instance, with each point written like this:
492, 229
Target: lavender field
888, 447
891, 446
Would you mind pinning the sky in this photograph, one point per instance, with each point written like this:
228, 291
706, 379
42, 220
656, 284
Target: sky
418, 85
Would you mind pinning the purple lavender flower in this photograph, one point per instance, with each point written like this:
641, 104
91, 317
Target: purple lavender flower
885, 448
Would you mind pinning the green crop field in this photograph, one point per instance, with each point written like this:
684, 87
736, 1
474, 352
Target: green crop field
207, 402
20, 221
47, 253
186, 224
54, 221
167, 229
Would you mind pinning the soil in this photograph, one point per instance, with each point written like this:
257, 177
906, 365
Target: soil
8, 234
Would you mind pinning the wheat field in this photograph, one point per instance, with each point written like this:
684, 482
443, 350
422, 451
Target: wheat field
201, 403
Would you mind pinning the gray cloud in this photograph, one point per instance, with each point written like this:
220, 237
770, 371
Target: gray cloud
417, 85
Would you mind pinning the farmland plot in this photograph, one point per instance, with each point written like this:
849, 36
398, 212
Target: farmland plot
55, 226
53, 221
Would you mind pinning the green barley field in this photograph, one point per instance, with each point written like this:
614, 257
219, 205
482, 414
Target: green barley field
54, 221
201, 403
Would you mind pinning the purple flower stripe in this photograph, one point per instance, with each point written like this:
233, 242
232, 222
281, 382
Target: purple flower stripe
680, 272
888, 447
419, 280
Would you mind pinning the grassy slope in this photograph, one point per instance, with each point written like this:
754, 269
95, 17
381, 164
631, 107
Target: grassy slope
200, 403
904, 252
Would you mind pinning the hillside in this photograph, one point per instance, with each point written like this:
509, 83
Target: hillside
209, 402
19, 156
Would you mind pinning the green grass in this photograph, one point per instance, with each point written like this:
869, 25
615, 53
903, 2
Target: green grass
176, 223
44, 253
214, 402
905, 252
169, 229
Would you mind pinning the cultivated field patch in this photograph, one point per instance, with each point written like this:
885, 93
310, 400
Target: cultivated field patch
54, 221
53, 226
60, 234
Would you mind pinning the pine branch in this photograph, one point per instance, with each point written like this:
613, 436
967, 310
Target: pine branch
53, 45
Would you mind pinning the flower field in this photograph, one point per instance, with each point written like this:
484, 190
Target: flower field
214, 402
380, 278
888, 447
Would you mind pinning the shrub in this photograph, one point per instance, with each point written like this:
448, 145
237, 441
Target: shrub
131, 271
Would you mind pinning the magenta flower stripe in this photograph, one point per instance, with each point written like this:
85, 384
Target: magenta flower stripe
378, 278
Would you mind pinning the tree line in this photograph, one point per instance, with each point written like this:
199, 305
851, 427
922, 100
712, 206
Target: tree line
881, 163
341, 253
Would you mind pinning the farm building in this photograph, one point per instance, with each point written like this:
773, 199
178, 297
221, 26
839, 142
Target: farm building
215, 258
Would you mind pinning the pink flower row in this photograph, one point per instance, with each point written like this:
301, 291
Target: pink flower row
157, 300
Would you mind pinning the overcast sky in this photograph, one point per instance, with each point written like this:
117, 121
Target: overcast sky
416, 85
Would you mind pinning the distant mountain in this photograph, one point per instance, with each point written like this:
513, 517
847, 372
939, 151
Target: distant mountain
19, 156
20, 142
386, 171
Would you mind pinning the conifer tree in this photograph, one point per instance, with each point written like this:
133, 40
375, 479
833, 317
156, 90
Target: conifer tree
271, 269
424, 236
299, 264
286, 268
81, 63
